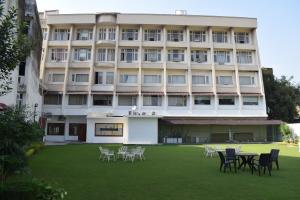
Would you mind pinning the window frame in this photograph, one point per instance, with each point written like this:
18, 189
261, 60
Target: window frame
181, 96
226, 98
202, 104
110, 135
109, 99
125, 52
159, 100
60, 126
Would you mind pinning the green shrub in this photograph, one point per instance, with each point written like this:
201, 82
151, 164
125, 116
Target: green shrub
28, 190
30, 152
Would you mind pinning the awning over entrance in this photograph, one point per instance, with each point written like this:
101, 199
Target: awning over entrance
220, 121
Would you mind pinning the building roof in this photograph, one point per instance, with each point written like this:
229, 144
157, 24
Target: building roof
220, 121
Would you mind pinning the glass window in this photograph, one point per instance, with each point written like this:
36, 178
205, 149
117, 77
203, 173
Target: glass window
176, 55
199, 56
98, 77
176, 79
75, 128
52, 99
77, 99
102, 100
109, 78
247, 80
130, 34
220, 37
224, 80
58, 55
175, 35
152, 55
226, 100
111, 33
129, 55
56, 78
127, 100
84, 34
108, 129
177, 100
128, 78
244, 57
102, 34
152, 78
152, 100
197, 36
80, 78
222, 57
200, 80
55, 129
106, 55
241, 37
152, 35
250, 101
61, 34
202, 100
82, 54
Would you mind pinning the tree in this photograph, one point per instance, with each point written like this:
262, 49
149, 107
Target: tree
282, 97
16, 134
14, 46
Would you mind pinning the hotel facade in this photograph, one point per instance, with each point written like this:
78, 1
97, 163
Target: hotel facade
152, 78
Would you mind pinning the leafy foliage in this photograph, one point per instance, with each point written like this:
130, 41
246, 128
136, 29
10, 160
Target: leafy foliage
282, 97
14, 46
16, 134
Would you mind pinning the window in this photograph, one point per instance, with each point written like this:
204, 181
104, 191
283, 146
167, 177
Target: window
106, 55
55, 129
176, 55
129, 55
152, 100
77, 99
176, 79
52, 99
250, 101
75, 129
177, 100
102, 100
175, 35
199, 56
152, 35
226, 100
61, 34
241, 37
222, 57
128, 78
130, 34
202, 100
111, 34
220, 37
80, 78
83, 54
127, 100
109, 129
152, 78
84, 34
152, 55
247, 80
109, 78
58, 55
244, 57
224, 80
102, 34
200, 80
56, 78
197, 36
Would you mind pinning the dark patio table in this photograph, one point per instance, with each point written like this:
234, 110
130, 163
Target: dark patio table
247, 158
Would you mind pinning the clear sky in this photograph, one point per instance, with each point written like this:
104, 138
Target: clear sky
278, 21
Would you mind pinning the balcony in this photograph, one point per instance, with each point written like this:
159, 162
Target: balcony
152, 89
78, 64
250, 89
179, 88
248, 67
223, 45
102, 88
152, 65
153, 43
129, 43
182, 44
55, 43
82, 43
77, 88
205, 66
177, 65
54, 87
205, 45
108, 43
128, 65
245, 46
224, 66
127, 89
105, 64
56, 64
226, 89
202, 89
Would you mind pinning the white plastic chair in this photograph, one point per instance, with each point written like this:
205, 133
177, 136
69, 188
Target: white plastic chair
209, 151
122, 151
139, 153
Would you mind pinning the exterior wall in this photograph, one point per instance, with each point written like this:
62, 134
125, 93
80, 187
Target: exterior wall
296, 128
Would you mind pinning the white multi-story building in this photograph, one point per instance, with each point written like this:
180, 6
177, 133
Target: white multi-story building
149, 78
26, 89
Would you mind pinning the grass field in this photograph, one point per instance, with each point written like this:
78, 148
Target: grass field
169, 172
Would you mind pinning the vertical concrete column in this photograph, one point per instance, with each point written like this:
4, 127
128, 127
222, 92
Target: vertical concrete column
92, 66
45, 53
189, 72
213, 71
140, 58
164, 59
64, 99
67, 125
114, 103
236, 69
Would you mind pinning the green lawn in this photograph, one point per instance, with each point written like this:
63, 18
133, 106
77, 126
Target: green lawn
169, 172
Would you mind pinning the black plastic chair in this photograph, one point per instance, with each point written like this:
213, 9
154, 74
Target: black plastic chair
274, 157
223, 162
264, 162
231, 157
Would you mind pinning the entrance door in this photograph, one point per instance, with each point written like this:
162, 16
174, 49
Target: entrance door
76, 129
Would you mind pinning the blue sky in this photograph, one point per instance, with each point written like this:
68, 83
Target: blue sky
278, 21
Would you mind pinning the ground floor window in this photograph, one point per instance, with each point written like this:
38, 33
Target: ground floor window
109, 129
202, 100
177, 100
56, 129
127, 100
152, 100
77, 99
226, 100
52, 99
102, 100
250, 101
